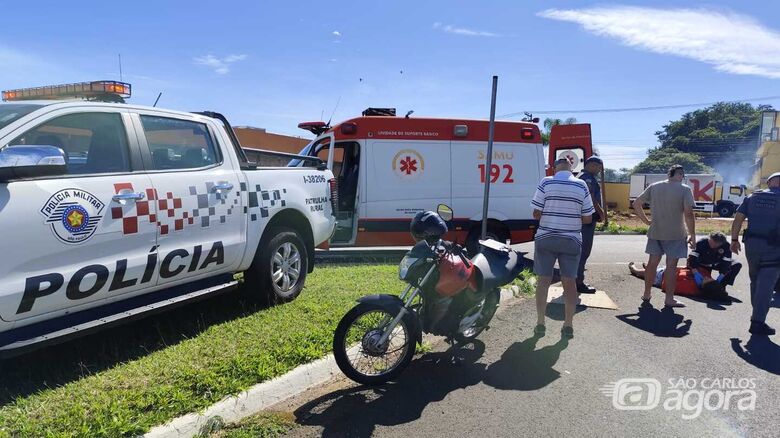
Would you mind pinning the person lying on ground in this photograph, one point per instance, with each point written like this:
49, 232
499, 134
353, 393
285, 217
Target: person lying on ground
691, 282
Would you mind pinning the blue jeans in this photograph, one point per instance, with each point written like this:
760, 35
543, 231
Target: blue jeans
588, 230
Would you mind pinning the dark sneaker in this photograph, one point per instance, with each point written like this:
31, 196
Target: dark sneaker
585, 289
539, 330
567, 332
761, 329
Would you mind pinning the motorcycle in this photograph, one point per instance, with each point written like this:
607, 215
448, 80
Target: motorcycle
447, 294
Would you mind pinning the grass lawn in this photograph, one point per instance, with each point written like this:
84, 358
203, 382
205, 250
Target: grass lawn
123, 381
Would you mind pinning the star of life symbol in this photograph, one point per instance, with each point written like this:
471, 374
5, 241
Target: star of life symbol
569, 155
72, 214
408, 163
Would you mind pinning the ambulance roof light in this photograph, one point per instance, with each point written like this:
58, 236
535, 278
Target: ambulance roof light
315, 128
349, 128
527, 133
461, 130
109, 91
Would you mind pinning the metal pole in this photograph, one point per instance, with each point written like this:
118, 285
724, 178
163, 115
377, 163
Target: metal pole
489, 160
604, 197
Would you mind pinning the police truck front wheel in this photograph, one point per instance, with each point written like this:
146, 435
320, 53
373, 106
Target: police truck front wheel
280, 266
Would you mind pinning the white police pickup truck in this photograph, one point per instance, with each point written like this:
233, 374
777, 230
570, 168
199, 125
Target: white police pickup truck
110, 212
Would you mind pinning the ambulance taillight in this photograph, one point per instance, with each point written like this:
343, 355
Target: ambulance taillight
334, 195
527, 133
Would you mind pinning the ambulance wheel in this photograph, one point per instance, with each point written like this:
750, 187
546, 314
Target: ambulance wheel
279, 269
726, 210
493, 232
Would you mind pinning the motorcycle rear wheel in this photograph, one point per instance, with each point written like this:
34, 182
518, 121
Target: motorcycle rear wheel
488, 310
363, 362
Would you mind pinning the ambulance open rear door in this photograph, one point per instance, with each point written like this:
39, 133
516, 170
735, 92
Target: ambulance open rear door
572, 142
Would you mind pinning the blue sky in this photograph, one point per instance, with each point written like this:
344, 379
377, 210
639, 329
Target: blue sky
274, 65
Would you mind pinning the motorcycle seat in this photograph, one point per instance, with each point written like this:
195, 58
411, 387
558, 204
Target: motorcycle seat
498, 264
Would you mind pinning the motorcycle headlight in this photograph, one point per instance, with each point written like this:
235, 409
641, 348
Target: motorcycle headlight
403, 268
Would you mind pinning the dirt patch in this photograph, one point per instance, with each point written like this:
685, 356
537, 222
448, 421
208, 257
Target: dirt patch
704, 222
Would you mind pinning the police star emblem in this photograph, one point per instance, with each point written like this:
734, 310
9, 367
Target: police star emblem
76, 218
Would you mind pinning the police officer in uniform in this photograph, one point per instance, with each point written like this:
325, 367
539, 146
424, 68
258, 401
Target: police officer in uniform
593, 166
762, 248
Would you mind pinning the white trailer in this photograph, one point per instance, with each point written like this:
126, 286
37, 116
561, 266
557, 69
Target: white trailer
704, 191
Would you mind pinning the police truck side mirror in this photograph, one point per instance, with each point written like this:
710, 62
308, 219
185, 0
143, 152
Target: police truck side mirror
31, 161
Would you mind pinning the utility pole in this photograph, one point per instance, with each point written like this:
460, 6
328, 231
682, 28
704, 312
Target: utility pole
489, 160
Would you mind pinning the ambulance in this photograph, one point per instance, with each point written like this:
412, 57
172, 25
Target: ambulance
388, 168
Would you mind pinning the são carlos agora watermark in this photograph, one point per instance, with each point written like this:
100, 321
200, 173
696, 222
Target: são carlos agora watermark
686, 395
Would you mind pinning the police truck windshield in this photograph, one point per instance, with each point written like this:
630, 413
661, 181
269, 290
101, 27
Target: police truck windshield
12, 112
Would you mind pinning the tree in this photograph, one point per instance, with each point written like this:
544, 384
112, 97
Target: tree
660, 159
726, 132
621, 175
549, 123
722, 138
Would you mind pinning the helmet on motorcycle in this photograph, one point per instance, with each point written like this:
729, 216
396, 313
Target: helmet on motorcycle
427, 225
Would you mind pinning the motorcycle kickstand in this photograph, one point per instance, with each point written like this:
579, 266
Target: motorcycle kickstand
454, 358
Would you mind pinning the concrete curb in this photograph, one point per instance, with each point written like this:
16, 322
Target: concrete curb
255, 399
261, 396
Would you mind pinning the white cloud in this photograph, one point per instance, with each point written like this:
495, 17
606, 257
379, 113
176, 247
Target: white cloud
730, 42
462, 30
220, 66
234, 58
336, 33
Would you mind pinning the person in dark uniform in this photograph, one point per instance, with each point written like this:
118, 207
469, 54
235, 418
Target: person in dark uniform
762, 248
714, 254
593, 166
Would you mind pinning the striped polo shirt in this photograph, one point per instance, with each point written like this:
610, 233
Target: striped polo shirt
563, 201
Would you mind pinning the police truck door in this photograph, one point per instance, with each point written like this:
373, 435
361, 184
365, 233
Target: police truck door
201, 223
76, 239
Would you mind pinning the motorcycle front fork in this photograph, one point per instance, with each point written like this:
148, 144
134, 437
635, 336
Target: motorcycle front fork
408, 296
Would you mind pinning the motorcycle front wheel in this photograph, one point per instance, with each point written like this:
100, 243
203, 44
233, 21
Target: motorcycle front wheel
357, 352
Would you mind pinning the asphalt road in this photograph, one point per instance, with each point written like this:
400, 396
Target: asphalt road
513, 384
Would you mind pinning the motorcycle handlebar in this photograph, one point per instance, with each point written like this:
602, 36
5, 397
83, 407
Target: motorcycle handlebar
454, 248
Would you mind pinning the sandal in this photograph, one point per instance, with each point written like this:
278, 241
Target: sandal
567, 332
539, 330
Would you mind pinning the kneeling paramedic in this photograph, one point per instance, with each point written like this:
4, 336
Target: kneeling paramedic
762, 248
714, 254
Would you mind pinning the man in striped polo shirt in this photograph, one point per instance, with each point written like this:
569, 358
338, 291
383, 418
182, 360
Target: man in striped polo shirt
561, 204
